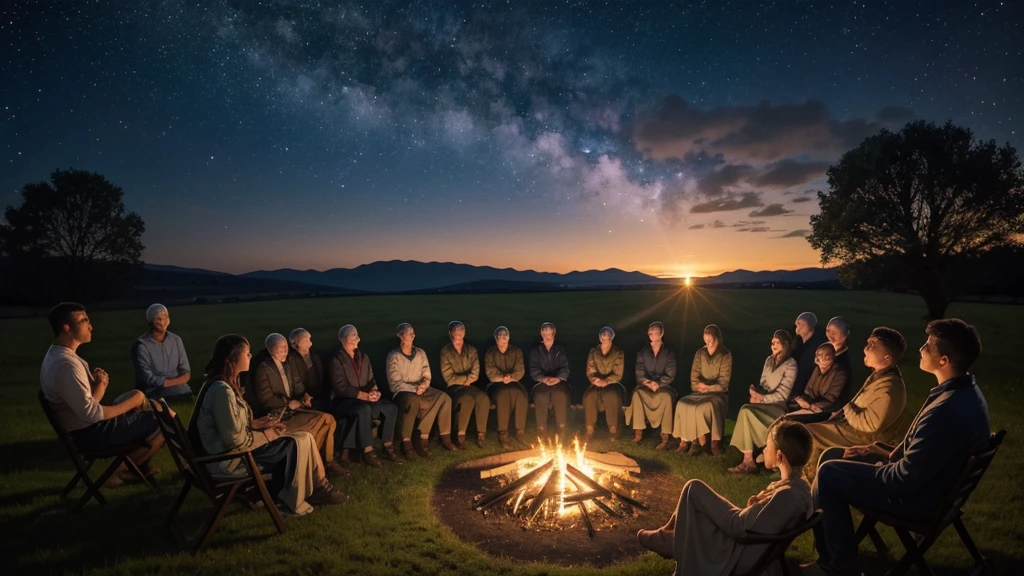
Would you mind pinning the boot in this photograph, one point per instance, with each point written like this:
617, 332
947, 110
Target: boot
663, 445
334, 469
695, 448
684, 446
407, 450
326, 494
638, 436
480, 439
521, 438
503, 439
446, 441
460, 441
659, 541
716, 447
424, 448
370, 459
391, 455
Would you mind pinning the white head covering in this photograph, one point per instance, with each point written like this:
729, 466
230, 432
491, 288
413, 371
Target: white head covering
607, 329
153, 310
810, 318
499, 331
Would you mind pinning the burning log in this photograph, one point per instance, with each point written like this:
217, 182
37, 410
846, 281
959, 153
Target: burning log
489, 499
549, 490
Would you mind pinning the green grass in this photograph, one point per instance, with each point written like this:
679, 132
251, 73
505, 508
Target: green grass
388, 526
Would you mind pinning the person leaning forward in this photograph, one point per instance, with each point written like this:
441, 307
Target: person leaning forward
357, 401
549, 369
504, 367
460, 368
409, 381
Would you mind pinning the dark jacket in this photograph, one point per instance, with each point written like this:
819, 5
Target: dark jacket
660, 368
952, 425
549, 363
346, 382
804, 356
312, 377
266, 388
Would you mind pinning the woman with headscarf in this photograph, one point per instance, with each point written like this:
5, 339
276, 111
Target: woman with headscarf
654, 397
223, 423
605, 366
701, 413
505, 369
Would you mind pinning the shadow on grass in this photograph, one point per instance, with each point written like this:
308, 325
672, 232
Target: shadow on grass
34, 455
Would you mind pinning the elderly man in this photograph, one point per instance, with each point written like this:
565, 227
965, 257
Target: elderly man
549, 369
654, 397
873, 415
409, 381
158, 356
605, 365
504, 367
808, 338
309, 368
912, 479
460, 368
75, 393
276, 389
357, 400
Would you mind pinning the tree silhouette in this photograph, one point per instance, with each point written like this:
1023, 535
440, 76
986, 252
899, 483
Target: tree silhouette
914, 209
71, 237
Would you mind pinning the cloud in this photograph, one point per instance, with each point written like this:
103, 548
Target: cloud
715, 224
747, 134
800, 199
757, 229
795, 234
728, 203
729, 175
748, 223
787, 173
771, 210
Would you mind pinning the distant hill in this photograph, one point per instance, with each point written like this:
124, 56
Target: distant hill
801, 276
410, 276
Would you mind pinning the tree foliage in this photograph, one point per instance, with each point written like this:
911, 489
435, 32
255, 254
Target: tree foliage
71, 237
915, 208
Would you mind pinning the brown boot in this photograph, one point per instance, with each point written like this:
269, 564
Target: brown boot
684, 446
370, 459
663, 445
407, 450
424, 448
716, 447
695, 448
460, 441
391, 455
638, 436
480, 439
503, 439
446, 442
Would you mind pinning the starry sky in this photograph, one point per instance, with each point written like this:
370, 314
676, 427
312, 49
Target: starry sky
674, 138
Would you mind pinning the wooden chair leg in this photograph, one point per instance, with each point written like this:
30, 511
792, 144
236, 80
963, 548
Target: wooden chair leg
177, 504
134, 469
71, 485
965, 537
211, 526
92, 488
876, 539
914, 556
269, 504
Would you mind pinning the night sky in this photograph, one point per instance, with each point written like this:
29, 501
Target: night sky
672, 138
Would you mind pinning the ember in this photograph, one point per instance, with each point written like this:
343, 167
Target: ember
552, 486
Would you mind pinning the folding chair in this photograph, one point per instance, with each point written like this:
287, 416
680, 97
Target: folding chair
83, 461
777, 546
220, 489
950, 511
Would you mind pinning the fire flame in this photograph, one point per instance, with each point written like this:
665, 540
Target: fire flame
575, 455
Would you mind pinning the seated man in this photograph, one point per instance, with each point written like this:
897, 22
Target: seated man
549, 369
912, 479
75, 393
158, 356
460, 368
654, 396
275, 389
605, 364
309, 368
409, 381
357, 397
874, 412
505, 368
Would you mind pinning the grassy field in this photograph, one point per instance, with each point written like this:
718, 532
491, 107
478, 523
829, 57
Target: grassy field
388, 526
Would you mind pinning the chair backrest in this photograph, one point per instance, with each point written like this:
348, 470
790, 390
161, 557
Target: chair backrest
179, 445
777, 543
974, 470
62, 432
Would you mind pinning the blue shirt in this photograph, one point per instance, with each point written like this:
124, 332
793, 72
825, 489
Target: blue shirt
156, 361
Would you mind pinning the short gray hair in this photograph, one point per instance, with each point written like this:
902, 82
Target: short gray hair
810, 318
842, 324
549, 326
455, 325
298, 334
401, 328
501, 330
657, 325
153, 310
608, 329
273, 339
345, 331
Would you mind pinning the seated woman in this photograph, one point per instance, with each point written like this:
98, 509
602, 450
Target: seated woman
605, 365
276, 389
654, 396
505, 369
701, 535
309, 368
223, 422
826, 386
702, 412
768, 402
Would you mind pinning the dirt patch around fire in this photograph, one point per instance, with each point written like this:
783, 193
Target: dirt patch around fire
504, 536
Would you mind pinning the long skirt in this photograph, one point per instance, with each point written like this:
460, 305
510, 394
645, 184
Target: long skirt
752, 425
309, 470
653, 407
700, 414
320, 424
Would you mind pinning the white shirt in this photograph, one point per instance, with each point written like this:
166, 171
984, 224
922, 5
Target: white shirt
64, 379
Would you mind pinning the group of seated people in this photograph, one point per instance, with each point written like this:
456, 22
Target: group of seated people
286, 404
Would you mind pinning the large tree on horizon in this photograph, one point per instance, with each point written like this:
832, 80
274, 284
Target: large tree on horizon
71, 237
914, 209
